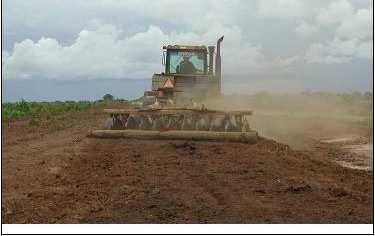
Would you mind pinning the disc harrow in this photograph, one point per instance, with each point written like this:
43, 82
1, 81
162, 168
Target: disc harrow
165, 119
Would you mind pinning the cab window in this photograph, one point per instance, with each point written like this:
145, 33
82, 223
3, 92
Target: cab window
186, 62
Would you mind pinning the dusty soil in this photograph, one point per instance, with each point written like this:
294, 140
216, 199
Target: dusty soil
57, 175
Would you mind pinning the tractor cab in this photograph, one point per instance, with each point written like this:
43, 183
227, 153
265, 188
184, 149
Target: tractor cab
185, 60
188, 74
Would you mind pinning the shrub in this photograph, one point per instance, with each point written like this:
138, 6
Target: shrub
108, 97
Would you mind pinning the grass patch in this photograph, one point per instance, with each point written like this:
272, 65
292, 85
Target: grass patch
36, 109
39, 113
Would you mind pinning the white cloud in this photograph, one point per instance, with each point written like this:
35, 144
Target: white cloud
5, 55
281, 8
286, 62
104, 53
337, 30
317, 53
336, 12
338, 51
94, 54
352, 34
197, 14
365, 50
358, 25
306, 30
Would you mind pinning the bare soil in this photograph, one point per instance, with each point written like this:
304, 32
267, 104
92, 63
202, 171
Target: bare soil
57, 175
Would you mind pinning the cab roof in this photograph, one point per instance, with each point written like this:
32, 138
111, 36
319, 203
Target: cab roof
185, 47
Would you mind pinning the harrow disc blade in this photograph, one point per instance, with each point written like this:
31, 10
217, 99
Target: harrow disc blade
108, 123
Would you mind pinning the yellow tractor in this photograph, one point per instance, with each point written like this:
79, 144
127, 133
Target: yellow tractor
177, 112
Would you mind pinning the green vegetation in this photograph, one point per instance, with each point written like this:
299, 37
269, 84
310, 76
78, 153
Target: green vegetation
37, 109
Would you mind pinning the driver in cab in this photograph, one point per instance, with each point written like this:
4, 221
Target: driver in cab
186, 67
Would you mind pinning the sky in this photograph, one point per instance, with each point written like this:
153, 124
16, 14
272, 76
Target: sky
269, 45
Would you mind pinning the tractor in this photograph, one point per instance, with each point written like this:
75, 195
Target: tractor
178, 112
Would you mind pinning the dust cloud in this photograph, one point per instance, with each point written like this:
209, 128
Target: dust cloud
302, 119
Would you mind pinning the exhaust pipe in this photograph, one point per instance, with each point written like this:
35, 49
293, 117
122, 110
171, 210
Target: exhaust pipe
218, 63
211, 51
